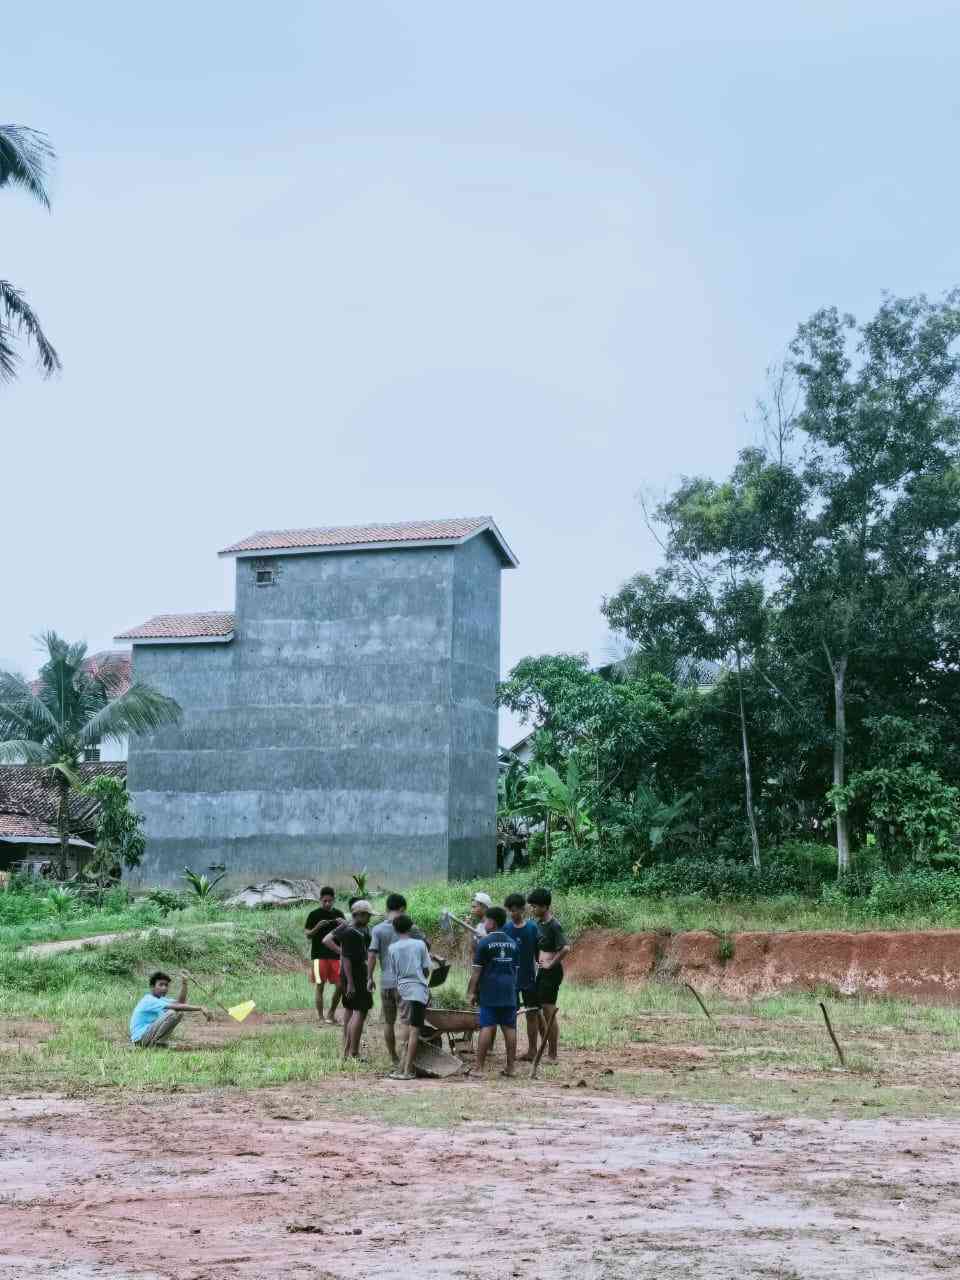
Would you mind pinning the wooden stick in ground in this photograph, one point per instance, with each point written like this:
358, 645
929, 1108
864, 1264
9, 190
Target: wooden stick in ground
699, 1001
836, 1045
543, 1043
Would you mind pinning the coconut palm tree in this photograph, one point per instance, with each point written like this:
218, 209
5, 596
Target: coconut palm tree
68, 709
24, 157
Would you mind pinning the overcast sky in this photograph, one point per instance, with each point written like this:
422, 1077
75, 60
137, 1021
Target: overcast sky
316, 263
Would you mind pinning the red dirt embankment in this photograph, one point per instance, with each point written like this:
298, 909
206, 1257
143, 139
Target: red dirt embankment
924, 965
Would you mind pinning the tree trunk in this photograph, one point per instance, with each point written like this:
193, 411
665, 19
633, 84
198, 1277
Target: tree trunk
546, 836
839, 760
747, 776
63, 824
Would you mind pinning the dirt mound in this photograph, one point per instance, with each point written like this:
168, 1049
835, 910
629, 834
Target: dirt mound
924, 965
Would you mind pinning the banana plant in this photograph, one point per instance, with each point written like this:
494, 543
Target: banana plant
548, 796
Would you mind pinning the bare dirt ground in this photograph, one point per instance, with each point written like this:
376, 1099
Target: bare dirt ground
274, 1183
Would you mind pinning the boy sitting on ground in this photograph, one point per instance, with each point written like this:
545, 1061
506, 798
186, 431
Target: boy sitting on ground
409, 962
494, 986
156, 1016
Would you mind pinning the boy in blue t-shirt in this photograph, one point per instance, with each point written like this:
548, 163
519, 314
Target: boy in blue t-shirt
157, 1015
494, 987
525, 934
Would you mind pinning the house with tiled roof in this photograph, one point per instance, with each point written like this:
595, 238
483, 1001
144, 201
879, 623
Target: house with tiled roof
28, 811
341, 716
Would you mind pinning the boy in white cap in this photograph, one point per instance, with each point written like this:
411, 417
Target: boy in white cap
481, 904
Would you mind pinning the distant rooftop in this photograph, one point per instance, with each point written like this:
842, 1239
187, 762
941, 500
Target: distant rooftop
171, 627
112, 666
29, 800
441, 533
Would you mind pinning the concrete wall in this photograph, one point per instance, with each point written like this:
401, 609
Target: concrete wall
350, 723
473, 712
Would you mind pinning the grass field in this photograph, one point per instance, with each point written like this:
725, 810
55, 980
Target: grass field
63, 1017
63, 1026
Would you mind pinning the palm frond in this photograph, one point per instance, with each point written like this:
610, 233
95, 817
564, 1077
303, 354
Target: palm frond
23, 751
66, 771
22, 709
17, 318
60, 681
25, 155
139, 710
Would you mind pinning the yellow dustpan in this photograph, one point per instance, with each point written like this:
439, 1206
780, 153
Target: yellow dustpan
240, 1011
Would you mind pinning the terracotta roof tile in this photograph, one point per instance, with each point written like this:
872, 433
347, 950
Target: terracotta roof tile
16, 826
182, 626
368, 535
27, 791
114, 666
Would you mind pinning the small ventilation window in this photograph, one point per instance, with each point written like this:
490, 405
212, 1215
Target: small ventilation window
265, 573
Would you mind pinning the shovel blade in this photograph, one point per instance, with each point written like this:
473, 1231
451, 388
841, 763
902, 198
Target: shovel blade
240, 1011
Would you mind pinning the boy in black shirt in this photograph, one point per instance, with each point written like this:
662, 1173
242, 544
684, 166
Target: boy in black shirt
552, 946
324, 962
351, 941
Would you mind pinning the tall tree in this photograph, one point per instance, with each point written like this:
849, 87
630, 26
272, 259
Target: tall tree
25, 156
68, 710
708, 600
859, 531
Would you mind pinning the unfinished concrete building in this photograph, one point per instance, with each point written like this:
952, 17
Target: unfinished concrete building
343, 717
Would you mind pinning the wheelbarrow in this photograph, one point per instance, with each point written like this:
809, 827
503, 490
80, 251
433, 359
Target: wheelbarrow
431, 1058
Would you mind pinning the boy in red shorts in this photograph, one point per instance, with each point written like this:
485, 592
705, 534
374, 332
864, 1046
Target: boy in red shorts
324, 962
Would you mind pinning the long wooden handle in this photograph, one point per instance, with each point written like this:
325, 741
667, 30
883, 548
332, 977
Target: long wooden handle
208, 994
543, 1043
836, 1043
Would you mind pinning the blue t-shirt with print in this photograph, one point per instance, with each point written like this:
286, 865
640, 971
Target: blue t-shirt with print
146, 1013
497, 958
526, 936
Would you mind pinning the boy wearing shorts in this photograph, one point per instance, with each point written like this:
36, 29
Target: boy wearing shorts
526, 935
409, 962
382, 938
552, 946
351, 941
494, 987
324, 963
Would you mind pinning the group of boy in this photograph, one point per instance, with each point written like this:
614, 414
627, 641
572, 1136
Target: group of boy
345, 953
517, 963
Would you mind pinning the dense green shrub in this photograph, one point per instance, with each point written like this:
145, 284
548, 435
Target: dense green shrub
570, 868
919, 890
721, 879
797, 867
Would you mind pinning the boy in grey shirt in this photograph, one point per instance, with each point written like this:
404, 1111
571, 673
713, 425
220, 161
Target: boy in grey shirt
409, 962
382, 938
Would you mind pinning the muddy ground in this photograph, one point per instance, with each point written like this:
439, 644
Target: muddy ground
274, 1183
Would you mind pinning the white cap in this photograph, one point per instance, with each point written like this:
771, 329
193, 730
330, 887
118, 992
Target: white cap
484, 899
361, 905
